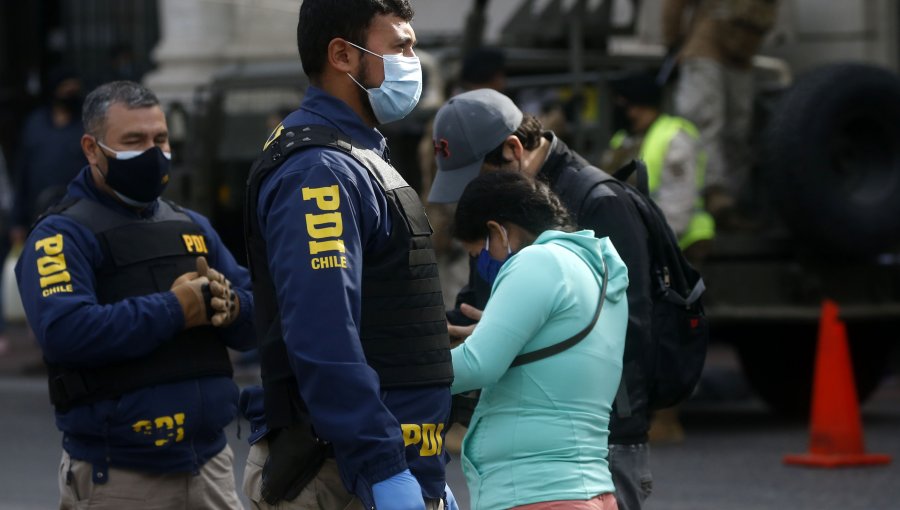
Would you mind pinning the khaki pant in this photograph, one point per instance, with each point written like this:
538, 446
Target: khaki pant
212, 489
325, 492
719, 101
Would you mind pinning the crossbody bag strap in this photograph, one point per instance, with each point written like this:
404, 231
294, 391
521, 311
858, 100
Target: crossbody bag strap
550, 350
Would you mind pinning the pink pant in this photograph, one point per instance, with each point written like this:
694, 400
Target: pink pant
605, 501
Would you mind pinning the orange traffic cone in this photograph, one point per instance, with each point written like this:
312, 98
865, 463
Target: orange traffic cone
836, 429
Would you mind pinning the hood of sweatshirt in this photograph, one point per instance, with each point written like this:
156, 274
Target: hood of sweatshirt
595, 252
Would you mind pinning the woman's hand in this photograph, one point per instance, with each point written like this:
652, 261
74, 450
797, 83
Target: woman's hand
458, 334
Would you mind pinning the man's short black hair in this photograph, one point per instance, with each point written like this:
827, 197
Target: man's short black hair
96, 105
529, 133
321, 21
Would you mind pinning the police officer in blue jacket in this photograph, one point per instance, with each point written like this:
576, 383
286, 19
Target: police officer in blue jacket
133, 322
354, 348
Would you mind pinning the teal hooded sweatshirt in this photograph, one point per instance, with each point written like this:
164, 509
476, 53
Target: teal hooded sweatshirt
540, 430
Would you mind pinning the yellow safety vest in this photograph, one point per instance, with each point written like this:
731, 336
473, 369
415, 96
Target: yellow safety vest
653, 152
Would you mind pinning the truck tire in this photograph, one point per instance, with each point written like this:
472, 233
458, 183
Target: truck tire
778, 362
831, 160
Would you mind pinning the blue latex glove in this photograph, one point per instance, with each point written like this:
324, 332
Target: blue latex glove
450, 499
399, 492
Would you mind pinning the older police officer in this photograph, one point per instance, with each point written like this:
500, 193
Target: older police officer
133, 323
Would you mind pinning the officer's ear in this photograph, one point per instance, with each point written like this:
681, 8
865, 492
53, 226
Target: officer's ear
342, 56
90, 149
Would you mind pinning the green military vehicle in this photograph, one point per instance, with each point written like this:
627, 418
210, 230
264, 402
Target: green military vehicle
826, 207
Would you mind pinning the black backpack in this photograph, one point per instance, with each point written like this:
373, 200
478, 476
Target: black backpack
679, 328
673, 361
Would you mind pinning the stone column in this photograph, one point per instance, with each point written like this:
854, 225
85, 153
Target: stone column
194, 36
265, 30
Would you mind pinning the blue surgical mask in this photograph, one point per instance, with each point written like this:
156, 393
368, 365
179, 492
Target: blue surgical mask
488, 267
401, 89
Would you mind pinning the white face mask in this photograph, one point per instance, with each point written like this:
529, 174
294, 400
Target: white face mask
402, 87
123, 155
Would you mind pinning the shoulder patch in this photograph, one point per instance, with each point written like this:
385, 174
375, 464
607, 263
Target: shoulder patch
274, 136
325, 228
51, 266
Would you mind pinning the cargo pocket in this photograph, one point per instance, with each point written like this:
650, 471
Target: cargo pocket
74, 484
252, 482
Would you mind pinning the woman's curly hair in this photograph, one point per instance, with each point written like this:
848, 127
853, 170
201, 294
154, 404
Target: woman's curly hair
508, 197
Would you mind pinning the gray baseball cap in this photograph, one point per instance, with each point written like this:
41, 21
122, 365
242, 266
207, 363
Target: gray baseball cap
466, 129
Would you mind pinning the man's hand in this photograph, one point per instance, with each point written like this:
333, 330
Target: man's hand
399, 492
295, 456
206, 297
189, 289
186, 277
224, 303
458, 334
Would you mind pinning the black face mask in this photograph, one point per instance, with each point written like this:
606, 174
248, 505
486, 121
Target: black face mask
140, 178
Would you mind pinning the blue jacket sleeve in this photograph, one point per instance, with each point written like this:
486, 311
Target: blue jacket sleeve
56, 281
240, 334
317, 225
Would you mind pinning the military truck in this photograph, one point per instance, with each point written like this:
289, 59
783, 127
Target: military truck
827, 210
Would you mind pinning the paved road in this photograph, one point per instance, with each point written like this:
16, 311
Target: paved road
30, 447
30, 444
731, 458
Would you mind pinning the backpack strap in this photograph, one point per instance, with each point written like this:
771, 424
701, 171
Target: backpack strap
550, 350
575, 187
697, 291
662, 241
639, 169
